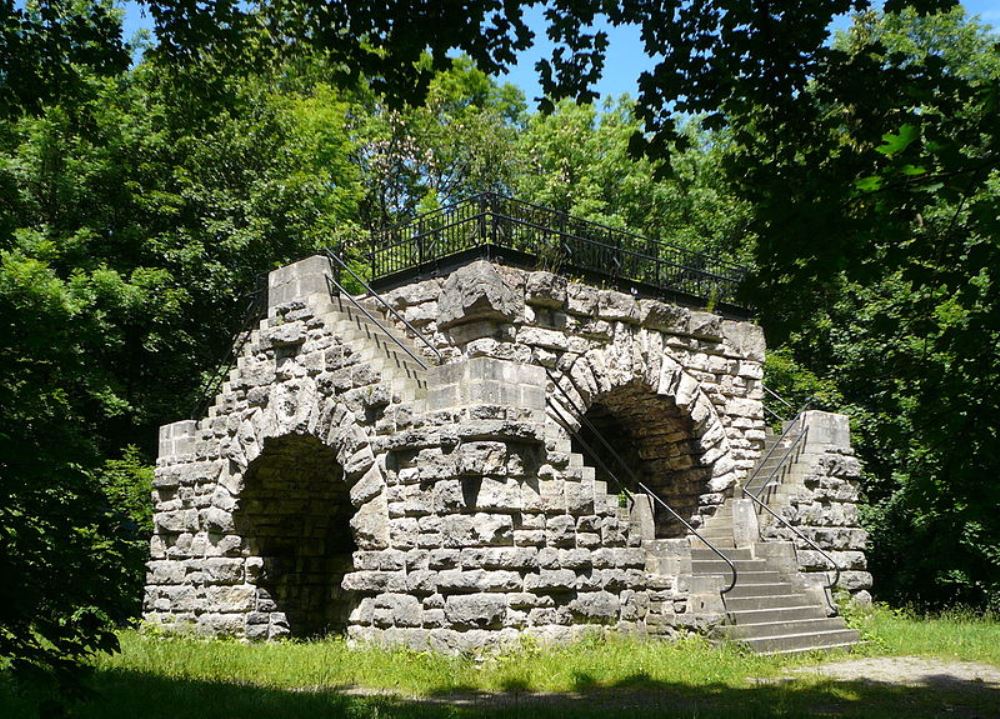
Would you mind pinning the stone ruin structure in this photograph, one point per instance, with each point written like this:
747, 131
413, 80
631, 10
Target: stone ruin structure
457, 495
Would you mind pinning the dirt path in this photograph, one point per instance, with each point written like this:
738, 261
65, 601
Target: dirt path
908, 671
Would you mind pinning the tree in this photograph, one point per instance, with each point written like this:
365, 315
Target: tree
49, 47
458, 142
577, 160
130, 222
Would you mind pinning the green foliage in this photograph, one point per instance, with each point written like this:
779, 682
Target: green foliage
457, 143
878, 271
128, 485
577, 160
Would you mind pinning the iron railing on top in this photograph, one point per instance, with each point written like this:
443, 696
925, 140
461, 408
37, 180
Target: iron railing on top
492, 224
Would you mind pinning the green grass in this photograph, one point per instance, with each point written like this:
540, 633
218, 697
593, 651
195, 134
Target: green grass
177, 678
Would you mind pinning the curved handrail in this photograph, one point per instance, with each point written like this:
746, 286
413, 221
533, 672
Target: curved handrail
811, 543
372, 293
639, 483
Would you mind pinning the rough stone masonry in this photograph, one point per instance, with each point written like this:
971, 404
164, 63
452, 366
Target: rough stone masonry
338, 484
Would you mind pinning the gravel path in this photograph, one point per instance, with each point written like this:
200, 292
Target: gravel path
908, 671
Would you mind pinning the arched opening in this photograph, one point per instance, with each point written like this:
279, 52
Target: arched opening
294, 513
657, 441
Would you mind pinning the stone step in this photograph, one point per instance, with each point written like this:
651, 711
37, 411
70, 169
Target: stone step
384, 342
773, 629
717, 566
762, 589
701, 554
803, 641
781, 614
772, 601
362, 323
390, 363
718, 539
747, 579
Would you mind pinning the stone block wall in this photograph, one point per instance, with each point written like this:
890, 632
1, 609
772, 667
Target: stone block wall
324, 492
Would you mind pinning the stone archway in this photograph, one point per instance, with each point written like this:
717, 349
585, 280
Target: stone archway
659, 444
294, 515
661, 420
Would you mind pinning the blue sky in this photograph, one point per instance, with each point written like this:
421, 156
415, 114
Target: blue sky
625, 58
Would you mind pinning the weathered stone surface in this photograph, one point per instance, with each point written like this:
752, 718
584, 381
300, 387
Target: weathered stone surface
336, 480
476, 611
545, 289
476, 292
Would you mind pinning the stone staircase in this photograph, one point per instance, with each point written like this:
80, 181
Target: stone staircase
375, 343
771, 610
774, 608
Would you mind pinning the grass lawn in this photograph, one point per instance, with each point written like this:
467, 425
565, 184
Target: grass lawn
178, 678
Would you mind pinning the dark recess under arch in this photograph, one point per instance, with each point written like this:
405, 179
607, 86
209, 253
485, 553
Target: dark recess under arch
295, 512
657, 441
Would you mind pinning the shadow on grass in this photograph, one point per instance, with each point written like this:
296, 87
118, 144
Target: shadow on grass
128, 694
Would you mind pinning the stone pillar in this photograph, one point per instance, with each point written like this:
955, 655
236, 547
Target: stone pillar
487, 381
298, 281
746, 531
176, 441
827, 428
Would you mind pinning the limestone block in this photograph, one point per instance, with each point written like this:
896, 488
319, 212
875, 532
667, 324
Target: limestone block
476, 611
231, 598
551, 581
370, 524
479, 529
401, 610
478, 580
221, 570
220, 625
181, 520
663, 317
617, 307
514, 558
290, 334
705, 325
596, 607
476, 292
560, 531
374, 582
482, 458
413, 294
581, 299
366, 488
544, 338
298, 281
745, 339
545, 289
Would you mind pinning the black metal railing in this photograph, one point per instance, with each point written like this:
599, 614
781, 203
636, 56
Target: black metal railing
761, 483
253, 308
490, 225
